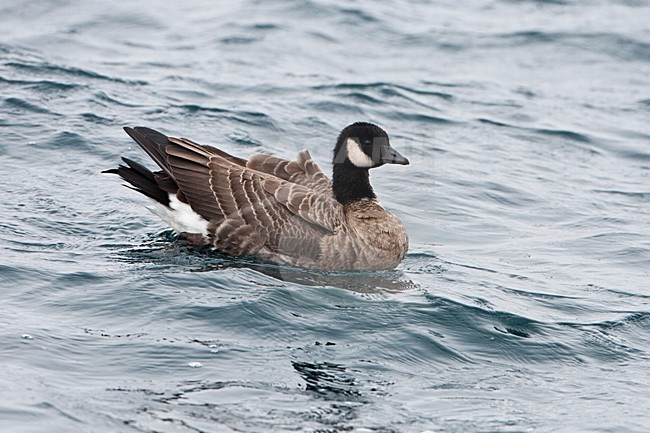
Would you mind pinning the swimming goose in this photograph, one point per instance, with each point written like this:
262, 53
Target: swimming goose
287, 212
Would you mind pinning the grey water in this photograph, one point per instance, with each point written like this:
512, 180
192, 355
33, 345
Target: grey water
522, 305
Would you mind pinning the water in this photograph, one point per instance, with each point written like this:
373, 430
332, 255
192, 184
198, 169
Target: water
523, 304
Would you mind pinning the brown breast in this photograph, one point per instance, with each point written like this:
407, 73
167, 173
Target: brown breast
371, 239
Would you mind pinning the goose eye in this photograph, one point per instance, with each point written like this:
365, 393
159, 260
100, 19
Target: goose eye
367, 144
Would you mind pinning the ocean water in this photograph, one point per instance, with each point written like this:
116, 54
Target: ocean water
523, 304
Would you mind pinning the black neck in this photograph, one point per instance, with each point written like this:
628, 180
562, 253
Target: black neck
351, 183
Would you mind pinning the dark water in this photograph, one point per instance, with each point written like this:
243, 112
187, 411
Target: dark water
523, 305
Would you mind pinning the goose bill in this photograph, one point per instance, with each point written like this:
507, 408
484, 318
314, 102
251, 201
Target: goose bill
391, 156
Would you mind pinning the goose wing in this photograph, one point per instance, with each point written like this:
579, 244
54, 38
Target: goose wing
248, 209
303, 171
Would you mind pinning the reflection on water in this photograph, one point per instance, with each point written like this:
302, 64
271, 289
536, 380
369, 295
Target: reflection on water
170, 251
327, 379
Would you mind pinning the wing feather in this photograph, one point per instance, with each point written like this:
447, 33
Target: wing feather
304, 171
323, 210
264, 202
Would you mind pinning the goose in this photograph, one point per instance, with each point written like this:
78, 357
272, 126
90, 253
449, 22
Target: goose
282, 211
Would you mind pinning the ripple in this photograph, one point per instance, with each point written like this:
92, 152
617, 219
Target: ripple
643, 196
569, 135
40, 68
17, 105
385, 88
566, 135
615, 45
336, 107
43, 86
238, 40
99, 120
113, 100
192, 108
253, 118
421, 117
353, 15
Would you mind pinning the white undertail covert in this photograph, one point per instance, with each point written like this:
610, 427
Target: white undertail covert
180, 216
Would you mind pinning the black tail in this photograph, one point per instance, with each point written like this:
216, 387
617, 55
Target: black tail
141, 179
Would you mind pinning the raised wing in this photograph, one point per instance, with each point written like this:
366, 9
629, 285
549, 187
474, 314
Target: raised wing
303, 171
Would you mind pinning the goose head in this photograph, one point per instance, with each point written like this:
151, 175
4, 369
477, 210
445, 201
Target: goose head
365, 145
360, 147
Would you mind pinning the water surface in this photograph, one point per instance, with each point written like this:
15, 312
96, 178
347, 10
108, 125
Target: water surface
523, 304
